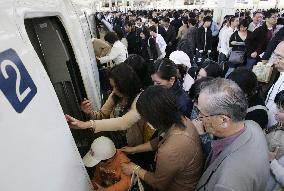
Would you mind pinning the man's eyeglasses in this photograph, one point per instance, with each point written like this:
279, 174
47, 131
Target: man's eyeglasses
277, 56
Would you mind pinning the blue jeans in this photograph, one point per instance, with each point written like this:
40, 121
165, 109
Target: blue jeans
250, 63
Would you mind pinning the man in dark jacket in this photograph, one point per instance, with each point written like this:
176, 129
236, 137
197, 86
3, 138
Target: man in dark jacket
258, 41
160, 29
204, 36
170, 37
279, 36
133, 38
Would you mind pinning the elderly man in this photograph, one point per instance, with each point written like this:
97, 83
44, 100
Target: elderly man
238, 160
278, 62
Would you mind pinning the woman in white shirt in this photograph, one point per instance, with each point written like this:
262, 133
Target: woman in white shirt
118, 52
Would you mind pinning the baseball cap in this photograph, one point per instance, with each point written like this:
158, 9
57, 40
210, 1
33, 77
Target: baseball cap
102, 148
180, 57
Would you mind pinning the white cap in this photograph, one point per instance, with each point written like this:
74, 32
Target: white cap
180, 57
102, 148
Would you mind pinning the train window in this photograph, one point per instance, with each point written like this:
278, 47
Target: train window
54, 49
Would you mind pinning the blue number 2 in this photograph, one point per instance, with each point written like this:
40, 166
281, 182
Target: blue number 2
15, 81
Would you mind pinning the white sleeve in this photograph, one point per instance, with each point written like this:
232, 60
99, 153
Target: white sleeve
278, 171
114, 52
163, 44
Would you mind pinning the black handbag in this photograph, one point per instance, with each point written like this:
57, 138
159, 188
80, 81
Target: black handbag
237, 57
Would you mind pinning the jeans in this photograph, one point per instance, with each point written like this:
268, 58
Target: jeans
250, 63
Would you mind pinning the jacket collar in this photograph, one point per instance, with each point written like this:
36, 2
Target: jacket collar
236, 145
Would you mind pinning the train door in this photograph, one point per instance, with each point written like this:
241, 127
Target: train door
54, 49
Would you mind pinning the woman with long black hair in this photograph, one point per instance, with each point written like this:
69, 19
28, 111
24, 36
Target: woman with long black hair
179, 158
119, 111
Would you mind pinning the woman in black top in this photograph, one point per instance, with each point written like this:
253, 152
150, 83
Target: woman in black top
247, 81
238, 42
148, 45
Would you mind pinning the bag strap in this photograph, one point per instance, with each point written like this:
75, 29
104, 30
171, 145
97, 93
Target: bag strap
256, 107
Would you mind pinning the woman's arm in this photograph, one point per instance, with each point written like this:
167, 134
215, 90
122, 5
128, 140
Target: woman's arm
114, 52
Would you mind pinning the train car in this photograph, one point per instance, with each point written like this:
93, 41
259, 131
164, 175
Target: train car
47, 67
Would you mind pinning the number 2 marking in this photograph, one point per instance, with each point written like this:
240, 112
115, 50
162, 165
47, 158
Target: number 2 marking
21, 96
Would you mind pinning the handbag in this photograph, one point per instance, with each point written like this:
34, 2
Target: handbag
237, 57
275, 138
136, 184
263, 72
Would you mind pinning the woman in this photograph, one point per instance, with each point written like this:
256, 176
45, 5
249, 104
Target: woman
179, 160
210, 69
238, 42
183, 29
118, 52
119, 111
148, 45
164, 72
247, 81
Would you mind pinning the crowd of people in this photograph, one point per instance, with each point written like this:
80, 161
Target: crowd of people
188, 109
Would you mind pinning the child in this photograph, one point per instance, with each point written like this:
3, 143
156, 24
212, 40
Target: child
107, 159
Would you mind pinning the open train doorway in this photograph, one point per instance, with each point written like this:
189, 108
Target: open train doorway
51, 43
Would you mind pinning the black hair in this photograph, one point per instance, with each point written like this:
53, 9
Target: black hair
192, 21
233, 18
165, 69
167, 20
111, 37
126, 81
196, 87
246, 80
155, 20
207, 18
257, 12
270, 12
185, 21
145, 31
157, 105
244, 23
206, 12
141, 67
279, 99
118, 31
153, 29
212, 69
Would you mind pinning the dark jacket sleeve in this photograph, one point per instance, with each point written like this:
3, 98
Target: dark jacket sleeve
259, 116
279, 36
232, 38
209, 39
200, 39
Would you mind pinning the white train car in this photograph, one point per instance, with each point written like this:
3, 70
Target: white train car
47, 66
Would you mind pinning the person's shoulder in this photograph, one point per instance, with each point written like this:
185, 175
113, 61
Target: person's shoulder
122, 156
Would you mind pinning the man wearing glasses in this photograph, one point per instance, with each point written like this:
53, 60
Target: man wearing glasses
238, 160
278, 62
260, 38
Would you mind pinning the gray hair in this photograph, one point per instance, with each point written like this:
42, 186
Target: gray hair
225, 98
